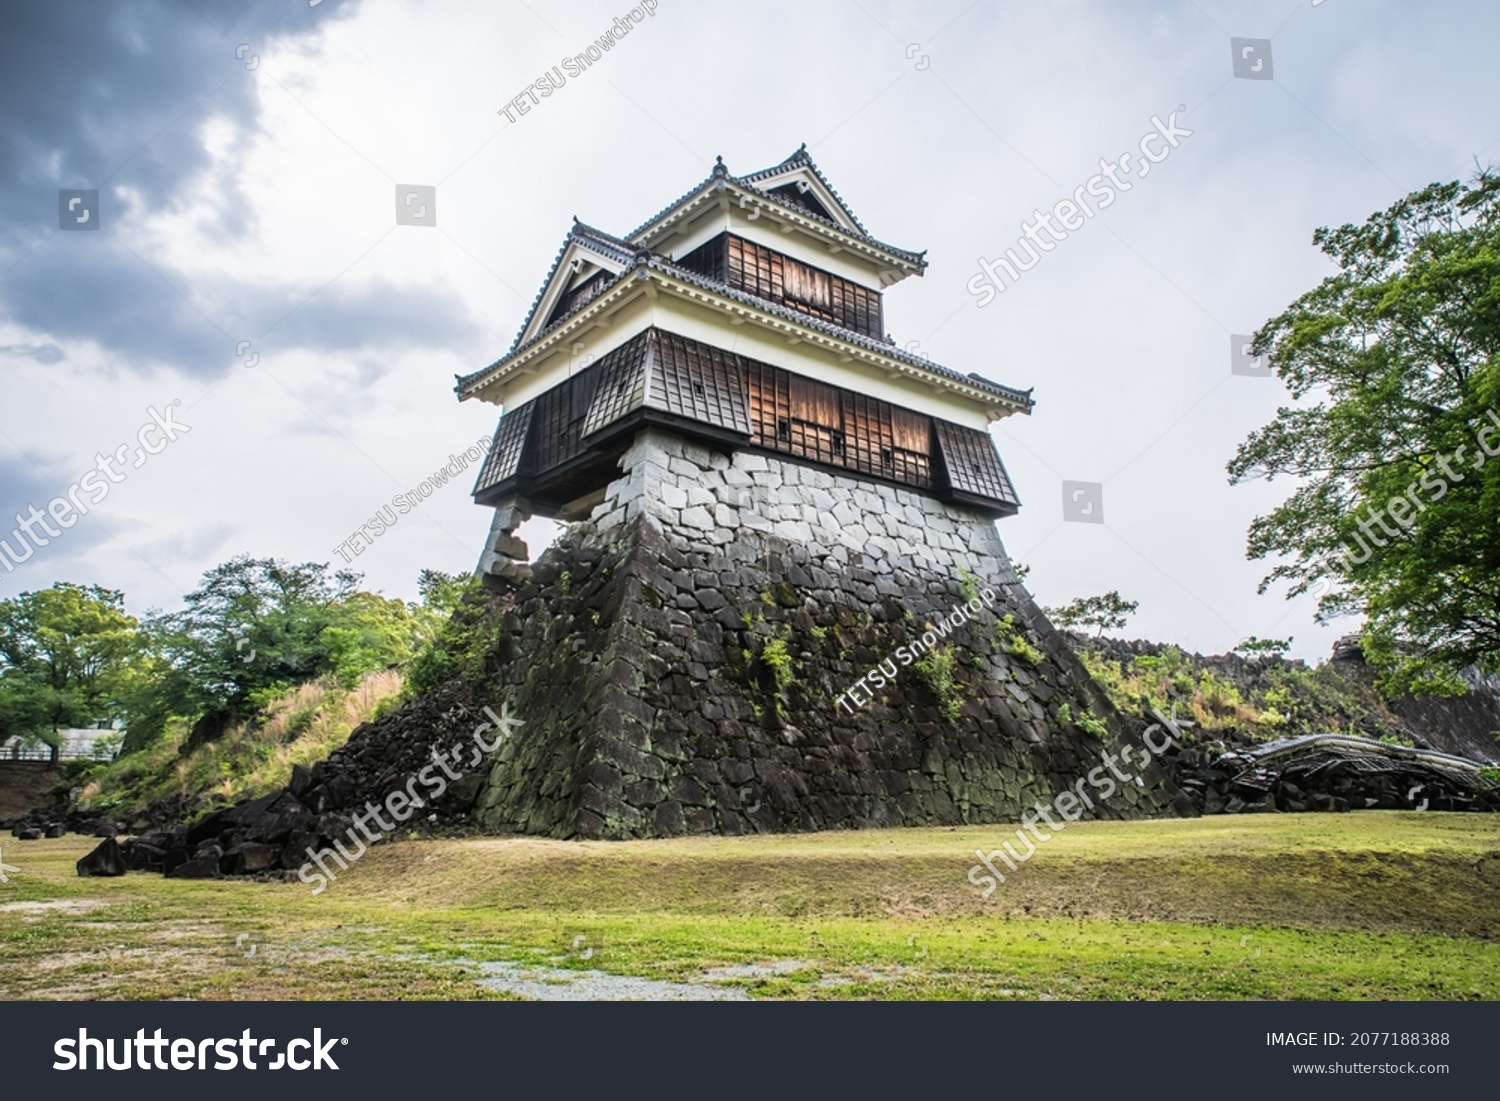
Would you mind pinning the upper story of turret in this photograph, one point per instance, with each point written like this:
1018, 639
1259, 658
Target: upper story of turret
749, 311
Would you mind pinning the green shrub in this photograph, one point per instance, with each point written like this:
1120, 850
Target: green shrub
776, 657
1092, 724
1013, 642
936, 669
300, 721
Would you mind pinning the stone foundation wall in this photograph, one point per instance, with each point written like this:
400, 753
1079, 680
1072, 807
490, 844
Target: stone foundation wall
683, 662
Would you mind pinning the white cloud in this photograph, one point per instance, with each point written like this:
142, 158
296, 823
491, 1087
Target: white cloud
1123, 330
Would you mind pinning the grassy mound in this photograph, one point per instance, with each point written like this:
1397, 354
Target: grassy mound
169, 780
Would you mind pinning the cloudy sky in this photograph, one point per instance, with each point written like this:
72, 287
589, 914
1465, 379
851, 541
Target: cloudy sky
246, 157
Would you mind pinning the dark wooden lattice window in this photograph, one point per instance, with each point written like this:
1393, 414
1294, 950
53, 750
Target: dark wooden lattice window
560, 415
755, 269
709, 258
766, 274
973, 464
808, 287
857, 308
577, 296
622, 383
887, 441
504, 459
812, 420
700, 382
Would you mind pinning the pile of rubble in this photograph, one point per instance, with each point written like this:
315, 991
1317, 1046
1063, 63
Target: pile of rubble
1333, 772
40, 823
273, 836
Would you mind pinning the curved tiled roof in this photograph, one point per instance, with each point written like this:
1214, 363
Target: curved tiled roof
801, 159
798, 159
886, 348
622, 252
619, 249
675, 203
642, 258
632, 256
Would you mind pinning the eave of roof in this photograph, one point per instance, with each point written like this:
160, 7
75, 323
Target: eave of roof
801, 159
605, 244
644, 264
720, 179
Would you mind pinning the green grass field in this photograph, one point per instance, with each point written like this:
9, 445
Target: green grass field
1372, 905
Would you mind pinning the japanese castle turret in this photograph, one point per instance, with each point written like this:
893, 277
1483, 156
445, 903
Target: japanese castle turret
781, 601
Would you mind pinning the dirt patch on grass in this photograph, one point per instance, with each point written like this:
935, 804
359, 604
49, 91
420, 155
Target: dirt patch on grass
57, 905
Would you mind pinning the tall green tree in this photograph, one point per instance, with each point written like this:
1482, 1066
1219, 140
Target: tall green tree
66, 660
257, 626
1394, 361
250, 625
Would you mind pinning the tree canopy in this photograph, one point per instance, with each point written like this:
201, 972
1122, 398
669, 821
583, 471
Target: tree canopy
1394, 361
253, 628
66, 657
1109, 612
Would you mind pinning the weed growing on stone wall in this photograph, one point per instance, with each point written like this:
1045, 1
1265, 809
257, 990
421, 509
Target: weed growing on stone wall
1013, 642
1272, 718
1092, 724
968, 585
776, 657
936, 668
1218, 696
1088, 722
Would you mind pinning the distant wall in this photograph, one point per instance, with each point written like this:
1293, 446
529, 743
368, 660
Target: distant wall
24, 785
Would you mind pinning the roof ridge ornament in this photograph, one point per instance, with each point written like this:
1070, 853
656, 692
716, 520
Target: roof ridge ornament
720, 169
